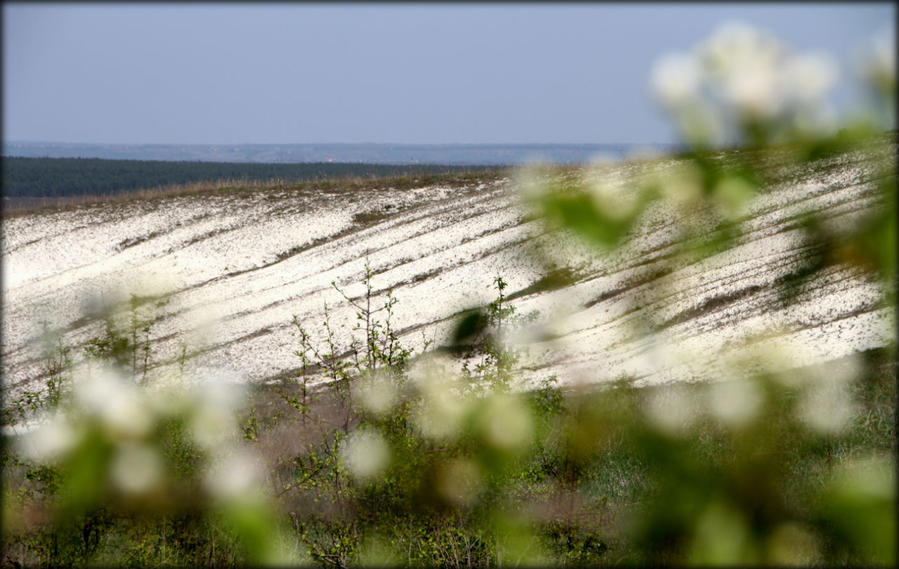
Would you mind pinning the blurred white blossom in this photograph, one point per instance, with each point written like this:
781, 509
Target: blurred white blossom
740, 74
442, 409
808, 78
734, 402
211, 425
786, 363
675, 79
671, 409
530, 181
507, 423
431, 371
365, 454
826, 405
49, 440
847, 369
377, 394
440, 414
214, 415
754, 90
115, 401
136, 468
238, 474
734, 46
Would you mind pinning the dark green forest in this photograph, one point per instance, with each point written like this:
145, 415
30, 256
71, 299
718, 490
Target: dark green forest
60, 177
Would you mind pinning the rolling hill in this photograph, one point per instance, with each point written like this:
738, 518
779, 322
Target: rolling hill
222, 274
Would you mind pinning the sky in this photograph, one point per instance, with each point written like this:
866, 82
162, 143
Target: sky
385, 73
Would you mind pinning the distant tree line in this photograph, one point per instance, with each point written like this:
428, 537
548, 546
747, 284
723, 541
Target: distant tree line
59, 177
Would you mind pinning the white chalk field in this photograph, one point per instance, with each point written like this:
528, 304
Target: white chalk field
234, 270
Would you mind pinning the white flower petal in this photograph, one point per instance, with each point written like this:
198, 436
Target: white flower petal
675, 79
365, 454
136, 468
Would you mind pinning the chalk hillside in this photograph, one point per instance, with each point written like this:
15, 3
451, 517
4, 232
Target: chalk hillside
232, 268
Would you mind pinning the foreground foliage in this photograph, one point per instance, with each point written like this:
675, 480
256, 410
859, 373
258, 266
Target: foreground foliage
404, 460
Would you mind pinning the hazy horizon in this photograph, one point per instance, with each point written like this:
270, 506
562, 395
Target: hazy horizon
336, 143
229, 74
372, 153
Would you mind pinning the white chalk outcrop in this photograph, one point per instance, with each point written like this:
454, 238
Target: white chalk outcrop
233, 269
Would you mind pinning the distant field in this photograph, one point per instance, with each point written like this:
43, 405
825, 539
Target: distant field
64, 177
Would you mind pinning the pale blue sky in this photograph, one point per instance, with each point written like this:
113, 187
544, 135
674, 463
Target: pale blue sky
401, 73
